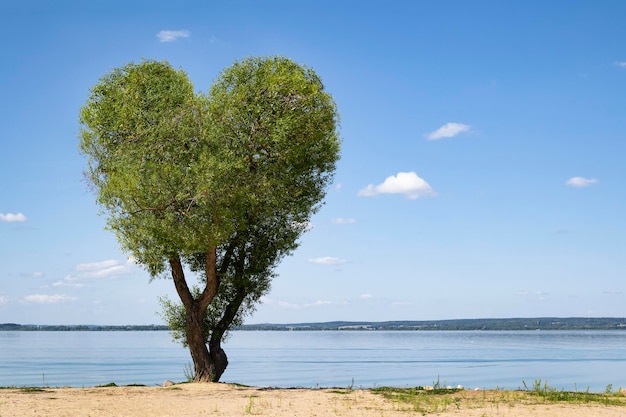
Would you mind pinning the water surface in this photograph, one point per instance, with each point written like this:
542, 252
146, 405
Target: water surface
475, 359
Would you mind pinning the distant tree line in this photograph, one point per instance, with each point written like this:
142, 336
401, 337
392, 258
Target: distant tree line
63, 328
541, 323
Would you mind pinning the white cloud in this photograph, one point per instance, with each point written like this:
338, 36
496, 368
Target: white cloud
342, 220
68, 283
448, 130
48, 299
366, 296
104, 273
293, 306
172, 35
31, 274
621, 64
580, 182
328, 260
12, 218
533, 294
95, 270
303, 226
4, 299
407, 183
92, 266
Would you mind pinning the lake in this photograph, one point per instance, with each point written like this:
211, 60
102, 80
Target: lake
572, 360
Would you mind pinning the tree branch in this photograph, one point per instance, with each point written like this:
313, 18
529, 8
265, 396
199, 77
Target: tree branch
171, 203
212, 279
178, 275
227, 318
228, 256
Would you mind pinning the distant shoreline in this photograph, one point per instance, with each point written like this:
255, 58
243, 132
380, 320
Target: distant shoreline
537, 323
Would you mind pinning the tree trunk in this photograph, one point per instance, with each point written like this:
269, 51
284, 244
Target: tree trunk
202, 363
208, 365
219, 360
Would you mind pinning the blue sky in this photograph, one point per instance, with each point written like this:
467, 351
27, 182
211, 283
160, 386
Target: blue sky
482, 170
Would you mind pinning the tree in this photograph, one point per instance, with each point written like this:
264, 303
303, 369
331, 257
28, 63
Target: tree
218, 185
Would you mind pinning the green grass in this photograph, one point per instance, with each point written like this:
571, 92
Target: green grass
419, 400
33, 389
550, 394
110, 384
438, 399
250, 409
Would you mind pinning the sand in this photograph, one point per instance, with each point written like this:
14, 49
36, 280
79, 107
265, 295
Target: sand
207, 399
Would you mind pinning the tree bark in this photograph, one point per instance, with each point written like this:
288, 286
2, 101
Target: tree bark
203, 363
208, 365
219, 360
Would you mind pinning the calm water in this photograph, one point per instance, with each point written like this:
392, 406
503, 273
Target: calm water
566, 360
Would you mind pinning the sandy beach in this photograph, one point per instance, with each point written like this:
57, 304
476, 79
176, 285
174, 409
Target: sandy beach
230, 400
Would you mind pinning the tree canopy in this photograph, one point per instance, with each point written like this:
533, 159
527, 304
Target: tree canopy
220, 185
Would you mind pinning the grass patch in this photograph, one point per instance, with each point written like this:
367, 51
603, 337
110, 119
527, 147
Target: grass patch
250, 408
418, 399
110, 384
437, 399
548, 394
237, 384
32, 389
340, 391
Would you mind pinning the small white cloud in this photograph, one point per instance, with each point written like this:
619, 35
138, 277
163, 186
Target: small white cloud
4, 299
366, 296
621, 64
328, 260
12, 218
448, 130
342, 220
48, 299
31, 274
293, 306
338, 186
172, 35
407, 183
92, 266
105, 272
68, 282
96, 270
303, 226
533, 294
580, 182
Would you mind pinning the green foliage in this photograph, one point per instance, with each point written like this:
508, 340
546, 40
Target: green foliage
179, 172
156, 172
236, 172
